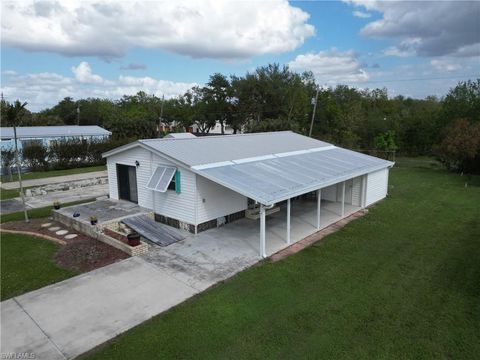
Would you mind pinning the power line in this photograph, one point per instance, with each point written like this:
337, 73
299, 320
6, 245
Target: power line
456, 77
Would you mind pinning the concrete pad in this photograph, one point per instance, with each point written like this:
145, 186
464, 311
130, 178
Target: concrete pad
55, 179
85, 311
47, 225
85, 193
61, 232
70, 236
54, 228
11, 206
20, 334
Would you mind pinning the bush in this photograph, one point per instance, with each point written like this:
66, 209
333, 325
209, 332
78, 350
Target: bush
35, 156
8, 160
460, 148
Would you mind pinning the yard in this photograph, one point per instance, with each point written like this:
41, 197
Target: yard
401, 282
45, 174
27, 263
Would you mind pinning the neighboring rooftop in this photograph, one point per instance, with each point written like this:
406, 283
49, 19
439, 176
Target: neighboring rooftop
53, 131
184, 135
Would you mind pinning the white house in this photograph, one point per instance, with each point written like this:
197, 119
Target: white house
195, 183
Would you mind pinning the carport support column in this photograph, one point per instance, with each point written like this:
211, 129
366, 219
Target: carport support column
288, 222
262, 231
319, 204
343, 199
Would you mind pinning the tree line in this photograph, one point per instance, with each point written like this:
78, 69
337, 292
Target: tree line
275, 98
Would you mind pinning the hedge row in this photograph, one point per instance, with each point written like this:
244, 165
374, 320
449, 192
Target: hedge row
62, 154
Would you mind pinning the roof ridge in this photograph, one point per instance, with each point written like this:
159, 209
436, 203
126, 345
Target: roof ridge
222, 136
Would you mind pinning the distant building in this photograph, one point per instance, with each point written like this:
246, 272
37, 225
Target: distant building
44, 135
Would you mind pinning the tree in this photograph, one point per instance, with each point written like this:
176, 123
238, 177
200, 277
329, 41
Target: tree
460, 148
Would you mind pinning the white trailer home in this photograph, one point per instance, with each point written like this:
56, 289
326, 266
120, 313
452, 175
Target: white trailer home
198, 183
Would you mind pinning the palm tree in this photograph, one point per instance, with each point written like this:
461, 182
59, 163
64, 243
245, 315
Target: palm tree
13, 113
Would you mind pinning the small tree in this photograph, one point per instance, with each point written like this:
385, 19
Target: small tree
460, 148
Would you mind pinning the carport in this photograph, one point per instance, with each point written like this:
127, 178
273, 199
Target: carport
313, 188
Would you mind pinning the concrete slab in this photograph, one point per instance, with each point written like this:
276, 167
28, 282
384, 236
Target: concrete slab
11, 206
55, 179
20, 334
105, 210
85, 193
85, 311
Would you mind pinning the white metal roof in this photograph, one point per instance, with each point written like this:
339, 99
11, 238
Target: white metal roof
184, 135
53, 131
276, 179
266, 167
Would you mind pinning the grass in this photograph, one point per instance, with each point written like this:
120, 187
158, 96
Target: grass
27, 264
37, 213
6, 194
45, 174
399, 283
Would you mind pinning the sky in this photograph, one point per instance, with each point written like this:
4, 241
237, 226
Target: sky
54, 49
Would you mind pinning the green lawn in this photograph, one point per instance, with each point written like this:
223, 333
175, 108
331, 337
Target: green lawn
6, 194
27, 264
50, 173
37, 213
402, 282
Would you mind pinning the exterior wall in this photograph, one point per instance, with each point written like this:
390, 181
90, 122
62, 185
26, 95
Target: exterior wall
329, 193
377, 186
214, 200
169, 204
357, 191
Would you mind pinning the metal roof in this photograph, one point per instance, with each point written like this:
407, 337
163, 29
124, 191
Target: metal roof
266, 167
272, 180
53, 131
184, 135
213, 149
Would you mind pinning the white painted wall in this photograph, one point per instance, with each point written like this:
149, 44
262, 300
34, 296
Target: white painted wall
377, 186
178, 206
357, 191
214, 200
330, 193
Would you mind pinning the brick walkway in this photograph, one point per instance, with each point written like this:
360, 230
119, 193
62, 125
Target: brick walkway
309, 240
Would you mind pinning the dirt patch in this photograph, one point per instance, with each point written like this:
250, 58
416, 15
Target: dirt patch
81, 253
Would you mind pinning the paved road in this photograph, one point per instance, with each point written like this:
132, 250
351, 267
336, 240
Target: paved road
55, 179
64, 320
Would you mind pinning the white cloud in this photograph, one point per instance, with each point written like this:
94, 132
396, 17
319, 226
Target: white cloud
42, 90
361, 14
331, 67
439, 27
83, 74
445, 65
199, 29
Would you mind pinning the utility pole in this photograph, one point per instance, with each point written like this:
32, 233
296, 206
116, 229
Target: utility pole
314, 110
160, 119
78, 114
19, 170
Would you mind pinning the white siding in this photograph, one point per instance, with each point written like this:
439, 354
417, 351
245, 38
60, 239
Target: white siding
377, 186
177, 206
357, 191
330, 193
128, 158
219, 201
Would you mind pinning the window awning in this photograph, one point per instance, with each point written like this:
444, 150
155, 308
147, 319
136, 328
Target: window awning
161, 178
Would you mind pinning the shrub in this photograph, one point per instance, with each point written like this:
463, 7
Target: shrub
35, 156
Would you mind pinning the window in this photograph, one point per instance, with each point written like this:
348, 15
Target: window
172, 185
161, 178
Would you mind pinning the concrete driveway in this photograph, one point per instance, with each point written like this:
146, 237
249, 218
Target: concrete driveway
64, 320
